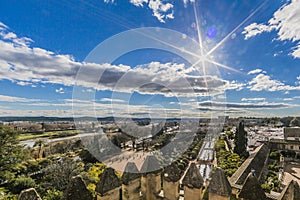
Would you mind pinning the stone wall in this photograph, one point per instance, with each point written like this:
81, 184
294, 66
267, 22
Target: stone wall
212, 196
171, 190
151, 186
110, 195
192, 193
132, 190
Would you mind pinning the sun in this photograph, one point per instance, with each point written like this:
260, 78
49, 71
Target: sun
204, 58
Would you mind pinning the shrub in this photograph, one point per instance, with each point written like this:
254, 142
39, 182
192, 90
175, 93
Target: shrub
228, 161
95, 171
274, 167
181, 166
275, 155
20, 183
266, 187
53, 195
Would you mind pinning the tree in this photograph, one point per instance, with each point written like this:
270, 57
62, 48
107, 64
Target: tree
240, 141
11, 153
58, 175
21, 183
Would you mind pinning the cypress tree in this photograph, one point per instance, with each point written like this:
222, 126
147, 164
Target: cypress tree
240, 141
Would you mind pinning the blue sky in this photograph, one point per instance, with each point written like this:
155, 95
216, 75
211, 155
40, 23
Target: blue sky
248, 53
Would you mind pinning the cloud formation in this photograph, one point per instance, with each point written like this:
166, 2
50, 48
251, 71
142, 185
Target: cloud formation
256, 71
161, 9
256, 105
5, 98
264, 82
253, 99
112, 100
26, 65
60, 90
285, 22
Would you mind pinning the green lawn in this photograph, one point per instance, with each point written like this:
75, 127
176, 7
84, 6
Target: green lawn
50, 134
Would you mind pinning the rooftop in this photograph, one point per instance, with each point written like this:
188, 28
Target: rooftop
193, 178
131, 173
108, 181
219, 184
77, 190
172, 173
150, 165
252, 189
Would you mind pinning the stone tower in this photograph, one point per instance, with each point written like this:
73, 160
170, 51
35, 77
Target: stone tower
171, 177
77, 190
219, 187
290, 192
251, 189
151, 178
193, 183
109, 185
29, 194
131, 182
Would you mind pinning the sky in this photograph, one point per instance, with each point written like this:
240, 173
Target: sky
150, 58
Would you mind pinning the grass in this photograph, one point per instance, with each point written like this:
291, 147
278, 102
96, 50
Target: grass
50, 134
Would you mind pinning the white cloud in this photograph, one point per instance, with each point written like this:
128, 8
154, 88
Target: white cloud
256, 29
256, 71
97, 109
5, 98
264, 82
237, 105
253, 99
286, 21
114, 100
187, 1
87, 108
3, 26
138, 2
24, 65
161, 9
60, 90
24, 83
22, 41
298, 80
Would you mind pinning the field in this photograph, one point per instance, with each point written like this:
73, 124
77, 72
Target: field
49, 134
